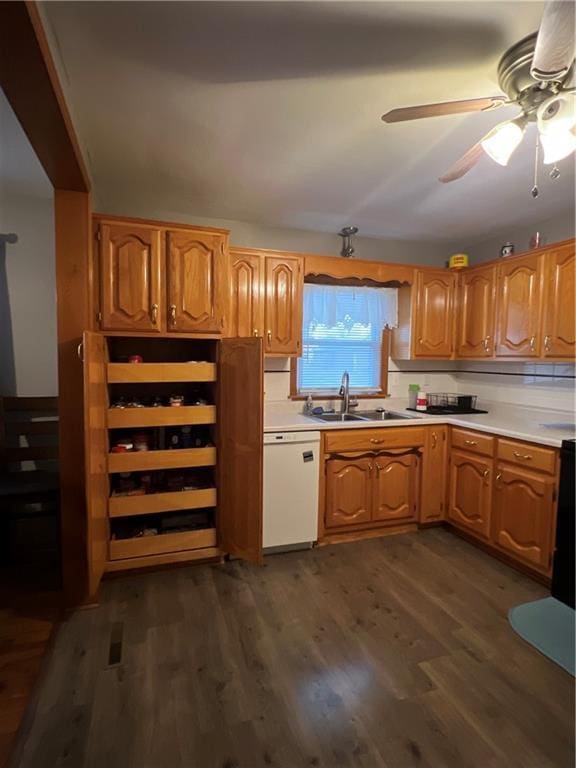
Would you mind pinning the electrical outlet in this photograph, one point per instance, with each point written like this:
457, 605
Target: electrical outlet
426, 380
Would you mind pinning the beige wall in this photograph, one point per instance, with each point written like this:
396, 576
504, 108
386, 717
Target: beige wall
305, 241
560, 227
28, 341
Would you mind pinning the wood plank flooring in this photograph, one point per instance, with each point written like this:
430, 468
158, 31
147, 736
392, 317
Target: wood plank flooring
384, 653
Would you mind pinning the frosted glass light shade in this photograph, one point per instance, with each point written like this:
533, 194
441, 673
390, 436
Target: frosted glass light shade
502, 141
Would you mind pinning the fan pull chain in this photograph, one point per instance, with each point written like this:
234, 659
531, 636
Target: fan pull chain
535, 190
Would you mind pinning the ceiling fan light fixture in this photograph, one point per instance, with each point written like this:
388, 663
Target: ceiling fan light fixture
501, 142
556, 122
557, 145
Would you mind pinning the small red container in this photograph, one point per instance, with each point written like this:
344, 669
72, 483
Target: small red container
135, 359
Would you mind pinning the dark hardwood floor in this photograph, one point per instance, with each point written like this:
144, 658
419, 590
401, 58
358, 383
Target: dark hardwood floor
393, 652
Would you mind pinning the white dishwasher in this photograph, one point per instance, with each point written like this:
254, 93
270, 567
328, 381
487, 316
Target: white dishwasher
291, 478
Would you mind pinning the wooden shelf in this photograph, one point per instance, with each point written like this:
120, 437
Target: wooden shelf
206, 554
161, 417
153, 503
144, 546
171, 459
153, 373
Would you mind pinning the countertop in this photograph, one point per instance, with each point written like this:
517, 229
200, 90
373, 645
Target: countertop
521, 423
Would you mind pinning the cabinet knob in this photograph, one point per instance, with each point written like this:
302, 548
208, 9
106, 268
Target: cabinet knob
154, 313
470, 442
172, 314
434, 439
376, 440
378, 467
269, 335
255, 332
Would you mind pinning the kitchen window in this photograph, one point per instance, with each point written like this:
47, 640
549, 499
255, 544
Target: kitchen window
343, 330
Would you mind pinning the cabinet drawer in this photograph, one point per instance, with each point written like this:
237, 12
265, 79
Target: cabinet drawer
157, 545
474, 442
527, 455
373, 439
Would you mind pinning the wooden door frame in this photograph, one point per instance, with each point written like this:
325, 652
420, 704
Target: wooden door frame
29, 79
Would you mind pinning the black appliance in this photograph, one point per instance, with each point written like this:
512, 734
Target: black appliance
563, 570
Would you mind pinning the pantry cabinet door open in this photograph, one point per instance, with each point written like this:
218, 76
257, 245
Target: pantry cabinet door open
240, 430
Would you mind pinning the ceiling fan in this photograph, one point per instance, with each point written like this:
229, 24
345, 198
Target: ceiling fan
534, 74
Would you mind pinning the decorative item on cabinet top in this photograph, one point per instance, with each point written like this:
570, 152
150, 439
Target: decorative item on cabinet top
159, 277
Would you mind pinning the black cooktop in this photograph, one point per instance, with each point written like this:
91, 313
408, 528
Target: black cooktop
446, 410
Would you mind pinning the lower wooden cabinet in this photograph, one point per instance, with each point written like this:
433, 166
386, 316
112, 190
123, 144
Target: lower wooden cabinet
348, 491
470, 493
377, 489
523, 521
434, 475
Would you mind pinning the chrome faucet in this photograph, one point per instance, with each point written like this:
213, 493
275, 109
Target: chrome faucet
344, 393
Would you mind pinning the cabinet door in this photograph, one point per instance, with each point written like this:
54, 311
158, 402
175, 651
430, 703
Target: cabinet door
519, 307
130, 277
524, 515
348, 491
96, 456
475, 318
470, 493
240, 462
434, 475
560, 298
196, 281
246, 312
395, 488
283, 305
433, 323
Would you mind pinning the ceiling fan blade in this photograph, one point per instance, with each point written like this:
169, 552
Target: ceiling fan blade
464, 164
554, 51
444, 108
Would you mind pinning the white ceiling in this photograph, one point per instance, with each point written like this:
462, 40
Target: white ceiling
270, 112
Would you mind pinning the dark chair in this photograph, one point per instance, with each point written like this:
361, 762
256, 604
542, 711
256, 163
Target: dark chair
29, 482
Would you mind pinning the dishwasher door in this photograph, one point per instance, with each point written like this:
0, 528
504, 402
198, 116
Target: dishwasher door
291, 480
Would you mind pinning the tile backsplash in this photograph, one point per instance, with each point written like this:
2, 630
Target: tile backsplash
545, 385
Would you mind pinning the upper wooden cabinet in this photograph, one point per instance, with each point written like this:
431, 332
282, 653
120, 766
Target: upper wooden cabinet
246, 313
519, 285
152, 278
559, 315
283, 305
432, 314
266, 299
196, 268
475, 313
131, 277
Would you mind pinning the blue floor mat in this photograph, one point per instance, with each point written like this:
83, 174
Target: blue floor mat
548, 625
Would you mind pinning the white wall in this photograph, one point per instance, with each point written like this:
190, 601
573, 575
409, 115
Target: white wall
560, 227
28, 340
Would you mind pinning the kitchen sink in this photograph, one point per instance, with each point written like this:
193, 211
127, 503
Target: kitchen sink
380, 415
361, 416
338, 417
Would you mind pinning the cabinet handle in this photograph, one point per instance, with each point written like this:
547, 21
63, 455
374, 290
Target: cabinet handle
487, 344
434, 439
420, 340
370, 467
172, 314
154, 313
255, 332
532, 343
547, 343
498, 477
523, 456
486, 474
80, 351
376, 440
470, 442
378, 467
269, 336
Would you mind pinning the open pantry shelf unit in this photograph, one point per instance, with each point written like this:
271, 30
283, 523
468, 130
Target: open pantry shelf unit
161, 496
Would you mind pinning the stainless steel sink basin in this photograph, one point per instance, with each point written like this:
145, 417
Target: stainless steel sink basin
338, 417
361, 416
380, 415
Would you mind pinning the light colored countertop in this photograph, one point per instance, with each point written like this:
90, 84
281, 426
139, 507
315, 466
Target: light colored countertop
520, 423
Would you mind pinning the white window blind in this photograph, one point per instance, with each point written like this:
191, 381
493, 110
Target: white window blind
342, 331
